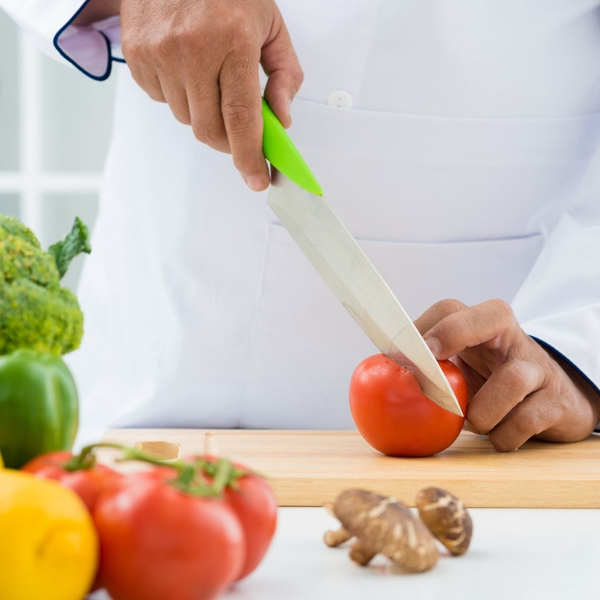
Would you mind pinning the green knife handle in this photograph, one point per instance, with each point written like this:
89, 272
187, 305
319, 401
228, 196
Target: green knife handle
283, 155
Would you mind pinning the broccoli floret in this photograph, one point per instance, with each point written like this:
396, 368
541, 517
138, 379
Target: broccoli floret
39, 318
12, 226
35, 312
21, 256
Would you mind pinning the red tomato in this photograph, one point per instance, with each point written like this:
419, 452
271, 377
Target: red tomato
255, 504
159, 543
392, 414
88, 484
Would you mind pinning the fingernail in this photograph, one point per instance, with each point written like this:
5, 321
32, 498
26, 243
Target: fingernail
434, 345
254, 182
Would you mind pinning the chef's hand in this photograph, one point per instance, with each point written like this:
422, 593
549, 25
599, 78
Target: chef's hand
202, 58
517, 390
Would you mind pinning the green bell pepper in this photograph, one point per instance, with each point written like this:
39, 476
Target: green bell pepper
39, 409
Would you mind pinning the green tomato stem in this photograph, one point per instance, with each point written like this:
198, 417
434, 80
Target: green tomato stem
190, 477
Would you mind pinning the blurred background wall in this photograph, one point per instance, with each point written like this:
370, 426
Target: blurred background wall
55, 127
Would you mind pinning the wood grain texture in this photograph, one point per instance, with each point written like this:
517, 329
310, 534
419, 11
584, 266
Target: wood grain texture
308, 468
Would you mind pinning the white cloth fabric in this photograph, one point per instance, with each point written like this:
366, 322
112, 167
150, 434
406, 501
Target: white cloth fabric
467, 166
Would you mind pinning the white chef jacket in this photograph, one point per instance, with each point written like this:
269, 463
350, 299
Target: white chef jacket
458, 140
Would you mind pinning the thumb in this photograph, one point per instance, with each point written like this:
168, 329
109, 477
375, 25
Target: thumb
280, 63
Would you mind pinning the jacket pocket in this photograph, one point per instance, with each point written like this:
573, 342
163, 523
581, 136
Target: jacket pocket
440, 179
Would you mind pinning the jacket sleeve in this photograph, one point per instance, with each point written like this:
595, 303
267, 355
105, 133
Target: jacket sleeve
559, 303
91, 48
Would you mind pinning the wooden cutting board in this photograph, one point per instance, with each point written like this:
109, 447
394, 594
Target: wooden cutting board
307, 468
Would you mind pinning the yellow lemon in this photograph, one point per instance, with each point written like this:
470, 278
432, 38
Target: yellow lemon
48, 544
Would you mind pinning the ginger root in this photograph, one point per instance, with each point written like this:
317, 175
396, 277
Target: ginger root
382, 525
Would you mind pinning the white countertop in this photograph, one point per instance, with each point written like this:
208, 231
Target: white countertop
515, 553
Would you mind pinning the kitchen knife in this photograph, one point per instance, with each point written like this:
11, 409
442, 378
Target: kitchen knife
296, 198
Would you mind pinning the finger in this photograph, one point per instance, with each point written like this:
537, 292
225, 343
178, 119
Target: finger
143, 73
529, 418
176, 98
471, 327
475, 380
434, 314
468, 427
148, 80
503, 391
241, 109
205, 114
281, 64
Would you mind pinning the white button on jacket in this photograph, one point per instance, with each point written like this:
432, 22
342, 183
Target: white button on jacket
340, 99
466, 161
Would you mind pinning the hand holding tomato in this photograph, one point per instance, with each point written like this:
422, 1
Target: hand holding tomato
518, 389
395, 417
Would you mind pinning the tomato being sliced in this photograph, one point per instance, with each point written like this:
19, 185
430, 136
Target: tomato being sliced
392, 414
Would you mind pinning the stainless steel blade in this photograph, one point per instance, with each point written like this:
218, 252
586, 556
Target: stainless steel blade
356, 283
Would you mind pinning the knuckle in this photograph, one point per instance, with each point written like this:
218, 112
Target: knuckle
209, 136
511, 435
182, 117
241, 117
163, 47
137, 75
477, 421
527, 423
524, 423
502, 443
241, 43
451, 329
185, 36
449, 306
175, 41
298, 76
239, 26
154, 93
502, 309
132, 50
233, 30
129, 49
518, 377
246, 163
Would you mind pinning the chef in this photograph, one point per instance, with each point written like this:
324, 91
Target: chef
460, 143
